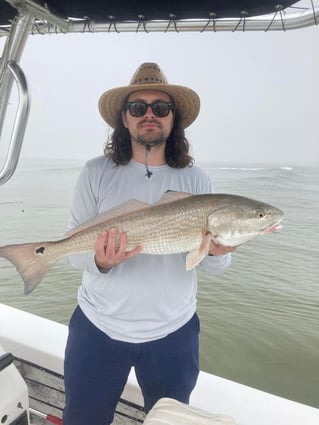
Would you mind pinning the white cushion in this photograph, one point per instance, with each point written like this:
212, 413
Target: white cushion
171, 412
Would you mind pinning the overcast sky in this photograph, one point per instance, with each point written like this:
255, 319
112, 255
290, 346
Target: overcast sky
259, 92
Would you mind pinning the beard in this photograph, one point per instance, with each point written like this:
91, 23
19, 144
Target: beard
151, 138
148, 141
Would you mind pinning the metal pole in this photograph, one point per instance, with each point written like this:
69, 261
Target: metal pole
12, 52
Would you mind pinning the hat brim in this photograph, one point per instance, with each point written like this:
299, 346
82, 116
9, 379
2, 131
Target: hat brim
187, 101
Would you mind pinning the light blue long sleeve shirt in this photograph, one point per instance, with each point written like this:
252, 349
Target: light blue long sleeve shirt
148, 296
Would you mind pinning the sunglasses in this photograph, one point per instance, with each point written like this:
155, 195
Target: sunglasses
159, 108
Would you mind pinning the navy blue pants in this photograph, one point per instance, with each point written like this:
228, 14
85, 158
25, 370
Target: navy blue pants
97, 367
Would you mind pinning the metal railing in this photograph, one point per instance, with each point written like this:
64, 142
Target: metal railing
302, 14
20, 123
10, 71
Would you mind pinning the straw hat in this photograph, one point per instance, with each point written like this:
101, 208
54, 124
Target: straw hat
149, 76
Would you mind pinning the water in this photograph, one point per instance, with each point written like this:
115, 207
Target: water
259, 321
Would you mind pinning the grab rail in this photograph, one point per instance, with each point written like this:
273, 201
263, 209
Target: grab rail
20, 123
10, 71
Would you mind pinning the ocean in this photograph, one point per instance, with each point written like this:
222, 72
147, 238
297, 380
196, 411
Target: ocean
259, 321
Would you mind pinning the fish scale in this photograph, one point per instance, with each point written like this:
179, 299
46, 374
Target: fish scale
176, 230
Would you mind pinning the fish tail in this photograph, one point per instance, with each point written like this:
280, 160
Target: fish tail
32, 261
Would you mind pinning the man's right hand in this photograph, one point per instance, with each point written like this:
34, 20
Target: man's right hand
109, 253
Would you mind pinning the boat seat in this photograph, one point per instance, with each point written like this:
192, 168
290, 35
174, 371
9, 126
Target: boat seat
168, 411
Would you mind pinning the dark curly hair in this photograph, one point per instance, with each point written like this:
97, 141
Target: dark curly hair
118, 147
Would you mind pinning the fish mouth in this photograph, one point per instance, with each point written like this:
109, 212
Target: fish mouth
274, 227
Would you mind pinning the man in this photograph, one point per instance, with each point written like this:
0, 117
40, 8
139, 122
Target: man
136, 310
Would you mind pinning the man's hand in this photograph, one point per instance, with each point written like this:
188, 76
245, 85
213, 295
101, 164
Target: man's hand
215, 249
108, 253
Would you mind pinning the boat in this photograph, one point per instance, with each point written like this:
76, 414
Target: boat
32, 347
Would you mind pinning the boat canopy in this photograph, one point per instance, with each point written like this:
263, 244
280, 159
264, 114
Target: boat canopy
130, 10
167, 15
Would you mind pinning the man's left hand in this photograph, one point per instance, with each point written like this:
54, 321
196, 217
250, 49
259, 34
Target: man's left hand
216, 249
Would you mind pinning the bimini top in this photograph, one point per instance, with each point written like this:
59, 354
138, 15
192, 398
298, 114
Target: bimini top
128, 10
166, 15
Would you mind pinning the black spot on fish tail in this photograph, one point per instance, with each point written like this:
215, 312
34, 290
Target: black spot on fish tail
40, 250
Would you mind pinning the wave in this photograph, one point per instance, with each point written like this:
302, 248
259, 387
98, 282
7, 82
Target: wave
248, 168
284, 168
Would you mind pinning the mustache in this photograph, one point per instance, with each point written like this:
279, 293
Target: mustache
149, 121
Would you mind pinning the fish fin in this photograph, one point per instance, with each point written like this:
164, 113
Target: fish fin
193, 258
31, 260
127, 207
171, 196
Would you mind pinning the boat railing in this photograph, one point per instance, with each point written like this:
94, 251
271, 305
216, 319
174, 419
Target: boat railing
20, 123
303, 13
10, 72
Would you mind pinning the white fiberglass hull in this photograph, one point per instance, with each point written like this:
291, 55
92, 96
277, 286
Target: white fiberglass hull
40, 343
